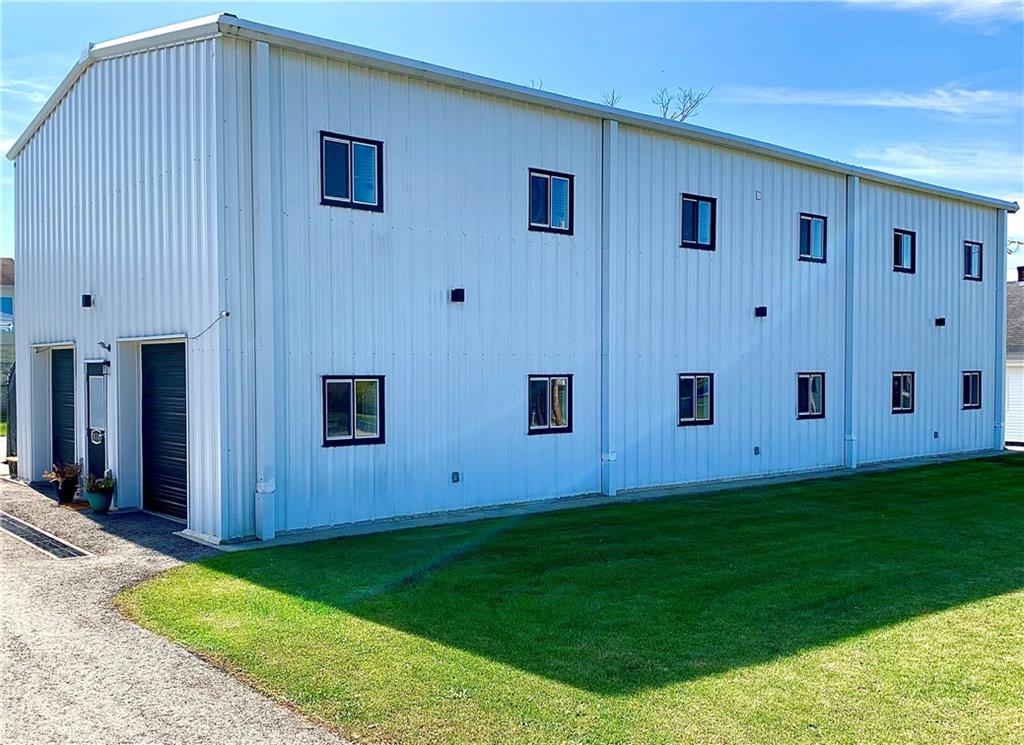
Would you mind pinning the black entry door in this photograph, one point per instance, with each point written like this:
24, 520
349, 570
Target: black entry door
62, 404
164, 430
96, 417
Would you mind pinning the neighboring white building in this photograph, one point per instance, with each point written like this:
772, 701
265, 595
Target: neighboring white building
277, 283
1015, 360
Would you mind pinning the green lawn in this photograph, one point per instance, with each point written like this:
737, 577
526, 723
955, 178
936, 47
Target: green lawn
874, 608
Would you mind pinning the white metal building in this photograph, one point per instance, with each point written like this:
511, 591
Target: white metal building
277, 283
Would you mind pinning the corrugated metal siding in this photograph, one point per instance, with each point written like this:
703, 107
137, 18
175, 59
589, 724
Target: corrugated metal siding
237, 382
895, 325
113, 199
693, 311
367, 293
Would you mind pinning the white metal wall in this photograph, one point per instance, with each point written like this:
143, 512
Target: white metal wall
367, 293
693, 311
115, 197
895, 325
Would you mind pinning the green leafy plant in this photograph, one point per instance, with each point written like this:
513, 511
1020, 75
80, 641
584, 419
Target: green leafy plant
103, 485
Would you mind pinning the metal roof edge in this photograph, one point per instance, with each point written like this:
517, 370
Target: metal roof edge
172, 34
226, 23
231, 25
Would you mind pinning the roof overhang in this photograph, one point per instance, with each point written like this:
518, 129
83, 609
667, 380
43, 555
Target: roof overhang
227, 24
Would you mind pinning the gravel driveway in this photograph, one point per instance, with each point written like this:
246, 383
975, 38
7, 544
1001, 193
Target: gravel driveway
74, 671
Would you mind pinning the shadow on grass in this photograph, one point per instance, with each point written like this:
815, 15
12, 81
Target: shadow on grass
619, 599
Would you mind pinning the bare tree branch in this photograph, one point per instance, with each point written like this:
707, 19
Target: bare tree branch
687, 102
612, 98
663, 100
537, 85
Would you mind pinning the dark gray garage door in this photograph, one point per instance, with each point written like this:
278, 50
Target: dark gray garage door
62, 404
164, 429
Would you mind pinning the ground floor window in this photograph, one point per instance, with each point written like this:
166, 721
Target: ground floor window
810, 395
353, 410
550, 404
972, 389
696, 398
903, 393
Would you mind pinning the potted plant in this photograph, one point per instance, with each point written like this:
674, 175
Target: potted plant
65, 476
99, 492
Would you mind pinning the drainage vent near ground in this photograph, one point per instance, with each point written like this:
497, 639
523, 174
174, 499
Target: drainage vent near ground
38, 539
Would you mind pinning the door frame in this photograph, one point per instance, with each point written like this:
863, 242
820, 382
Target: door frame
108, 374
126, 379
49, 349
152, 341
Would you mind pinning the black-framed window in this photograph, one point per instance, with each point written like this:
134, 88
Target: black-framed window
696, 399
813, 237
353, 410
550, 404
972, 260
904, 251
972, 389
810, 395
698, 220
903, 392
551, 201
351, 172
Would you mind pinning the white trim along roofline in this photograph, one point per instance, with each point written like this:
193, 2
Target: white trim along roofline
228, 24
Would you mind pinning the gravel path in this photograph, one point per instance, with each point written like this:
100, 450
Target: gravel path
74, 671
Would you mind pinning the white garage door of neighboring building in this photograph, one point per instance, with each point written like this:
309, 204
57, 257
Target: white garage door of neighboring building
1015, 404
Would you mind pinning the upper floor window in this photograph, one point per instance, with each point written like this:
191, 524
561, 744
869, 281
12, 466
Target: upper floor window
812, 238
698, 222
353, 410
351, 172
903, 393
696, 398
550, 403
551, 198
972, 260
810, 395
972, 389
904, 251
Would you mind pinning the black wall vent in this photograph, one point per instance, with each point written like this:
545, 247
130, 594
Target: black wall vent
458, 295
940, 321
761, 311
86, 301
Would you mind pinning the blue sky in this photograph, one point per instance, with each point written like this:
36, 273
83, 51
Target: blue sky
930, 90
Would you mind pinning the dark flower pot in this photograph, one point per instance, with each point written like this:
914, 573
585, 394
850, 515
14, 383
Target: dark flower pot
66, 491
99, 501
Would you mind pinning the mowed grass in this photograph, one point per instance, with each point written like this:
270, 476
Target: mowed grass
882, 607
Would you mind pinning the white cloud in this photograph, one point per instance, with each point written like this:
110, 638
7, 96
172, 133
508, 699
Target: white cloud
983, 13
949, 164
33, 90
948, 99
